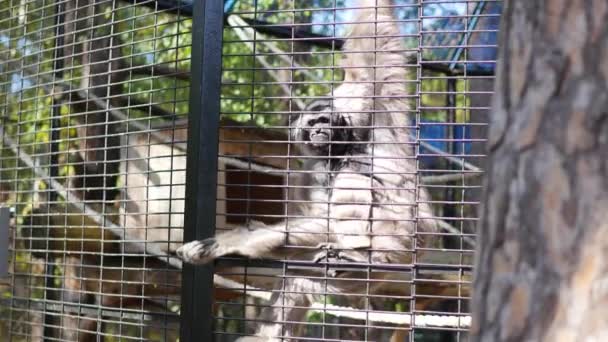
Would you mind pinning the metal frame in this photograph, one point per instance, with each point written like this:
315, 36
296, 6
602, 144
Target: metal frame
201, 174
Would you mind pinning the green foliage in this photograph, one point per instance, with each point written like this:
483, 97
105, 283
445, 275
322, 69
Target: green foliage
434, 98
251, 91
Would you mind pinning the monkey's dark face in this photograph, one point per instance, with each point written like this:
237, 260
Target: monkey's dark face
323, 130
318, 131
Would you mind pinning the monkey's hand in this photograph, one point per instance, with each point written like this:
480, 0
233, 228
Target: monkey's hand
329, 250
200, 251
204, 251
251, 243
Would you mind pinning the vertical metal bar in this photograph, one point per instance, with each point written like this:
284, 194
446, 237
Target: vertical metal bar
450, 194
450, 103
57, 93
201, 172
419, 52
5, 219
49, 283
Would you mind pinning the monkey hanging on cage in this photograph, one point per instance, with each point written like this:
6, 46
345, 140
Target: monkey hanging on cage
361, 202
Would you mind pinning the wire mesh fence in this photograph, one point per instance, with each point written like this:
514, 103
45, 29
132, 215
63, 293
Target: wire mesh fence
293, 52
94, 103
351, 135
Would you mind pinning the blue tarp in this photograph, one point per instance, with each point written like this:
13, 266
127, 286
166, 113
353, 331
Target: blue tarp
435, 133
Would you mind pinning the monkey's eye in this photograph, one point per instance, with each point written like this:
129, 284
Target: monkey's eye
318, 106
318, 120
323, 120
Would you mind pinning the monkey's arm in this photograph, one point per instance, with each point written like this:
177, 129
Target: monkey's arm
266, 241
345, 224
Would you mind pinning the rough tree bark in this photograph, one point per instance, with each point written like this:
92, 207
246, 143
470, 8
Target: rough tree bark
542, 263
88, 33
89, 46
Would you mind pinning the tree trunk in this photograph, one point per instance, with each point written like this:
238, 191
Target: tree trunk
542, 263
102, 69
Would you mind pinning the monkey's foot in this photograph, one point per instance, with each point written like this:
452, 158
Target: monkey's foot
329, 248
200, 251
332, 254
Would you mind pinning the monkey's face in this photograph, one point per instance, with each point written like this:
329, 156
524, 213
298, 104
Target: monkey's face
318, 131
323, 130
321, 127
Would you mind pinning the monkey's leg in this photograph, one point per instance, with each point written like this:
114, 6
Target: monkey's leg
256, 243
283, 319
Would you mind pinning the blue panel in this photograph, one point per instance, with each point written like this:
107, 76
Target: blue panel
438, 133
229, 5
485, 38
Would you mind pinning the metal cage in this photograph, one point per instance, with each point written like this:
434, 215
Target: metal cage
129, 127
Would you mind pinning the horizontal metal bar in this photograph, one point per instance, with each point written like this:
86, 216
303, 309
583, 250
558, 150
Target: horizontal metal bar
350, 266
88, 309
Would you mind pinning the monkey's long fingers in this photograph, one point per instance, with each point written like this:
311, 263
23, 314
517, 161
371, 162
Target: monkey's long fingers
199, 252
328, 250
328, 246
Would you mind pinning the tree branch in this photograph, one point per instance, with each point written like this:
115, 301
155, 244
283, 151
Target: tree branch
160, 70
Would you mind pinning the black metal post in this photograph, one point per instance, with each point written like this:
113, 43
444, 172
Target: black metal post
451, 113
5, 221
201, 173
450, 195
49, 282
